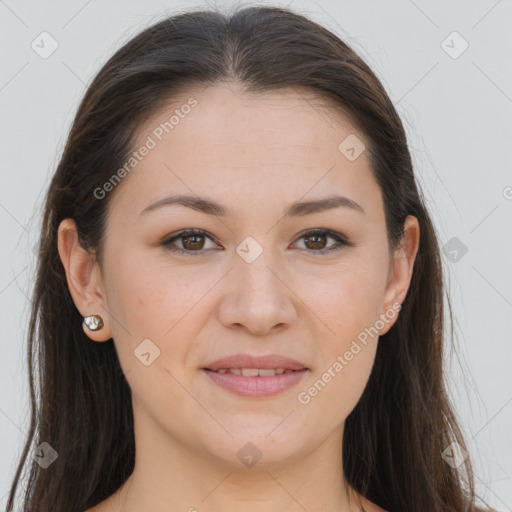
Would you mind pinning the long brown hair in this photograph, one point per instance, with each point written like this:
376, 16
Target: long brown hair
80, 400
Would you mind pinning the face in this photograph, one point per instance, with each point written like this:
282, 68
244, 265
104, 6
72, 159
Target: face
315, 285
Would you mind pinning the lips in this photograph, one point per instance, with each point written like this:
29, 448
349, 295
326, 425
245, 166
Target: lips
248, 364
256, 376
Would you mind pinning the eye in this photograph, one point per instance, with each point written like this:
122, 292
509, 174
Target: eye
193, 241
317, 239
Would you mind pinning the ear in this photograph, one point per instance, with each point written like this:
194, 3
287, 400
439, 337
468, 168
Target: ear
401, 270
84, 279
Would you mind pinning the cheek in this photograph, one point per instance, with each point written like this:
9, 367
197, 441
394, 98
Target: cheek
337, 383
149, 298
162, 303
346, 350
346, 299
350, 379
151, 303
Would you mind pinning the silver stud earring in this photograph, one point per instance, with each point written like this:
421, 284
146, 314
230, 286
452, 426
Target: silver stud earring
93, 322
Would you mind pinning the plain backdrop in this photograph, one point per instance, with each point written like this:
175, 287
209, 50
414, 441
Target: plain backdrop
453, 92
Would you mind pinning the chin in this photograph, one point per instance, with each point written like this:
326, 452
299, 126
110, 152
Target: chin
256, 448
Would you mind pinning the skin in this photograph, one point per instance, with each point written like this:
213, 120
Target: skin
255, 154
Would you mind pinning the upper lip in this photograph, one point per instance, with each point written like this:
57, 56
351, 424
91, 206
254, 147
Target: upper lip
262, 362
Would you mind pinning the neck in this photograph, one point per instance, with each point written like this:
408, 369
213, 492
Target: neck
171, 475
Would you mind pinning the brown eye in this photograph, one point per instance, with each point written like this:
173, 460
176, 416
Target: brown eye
192, 242
316, 241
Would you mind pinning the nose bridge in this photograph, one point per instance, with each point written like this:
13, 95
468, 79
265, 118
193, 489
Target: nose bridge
255, 259
258, 298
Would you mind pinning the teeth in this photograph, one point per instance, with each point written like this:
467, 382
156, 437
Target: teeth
253, 372
269, 372
249, 372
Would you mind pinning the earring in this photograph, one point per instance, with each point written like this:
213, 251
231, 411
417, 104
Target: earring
93, 322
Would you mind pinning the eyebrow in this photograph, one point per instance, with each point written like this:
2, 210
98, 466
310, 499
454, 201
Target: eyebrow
298, 209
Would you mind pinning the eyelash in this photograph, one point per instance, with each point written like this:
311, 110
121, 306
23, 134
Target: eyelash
341, 241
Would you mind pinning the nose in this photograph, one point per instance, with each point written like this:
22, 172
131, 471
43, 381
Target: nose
257, 297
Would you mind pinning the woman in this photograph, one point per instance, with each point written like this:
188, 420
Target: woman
239, 298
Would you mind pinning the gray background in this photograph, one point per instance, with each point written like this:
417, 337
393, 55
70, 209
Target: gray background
457, 113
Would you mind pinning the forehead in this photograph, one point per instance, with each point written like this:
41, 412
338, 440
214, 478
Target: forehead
227, 143
225, 114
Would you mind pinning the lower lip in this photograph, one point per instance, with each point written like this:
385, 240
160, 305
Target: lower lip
256, 387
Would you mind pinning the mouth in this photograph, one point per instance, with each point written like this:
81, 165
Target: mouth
255, 376
255, 382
